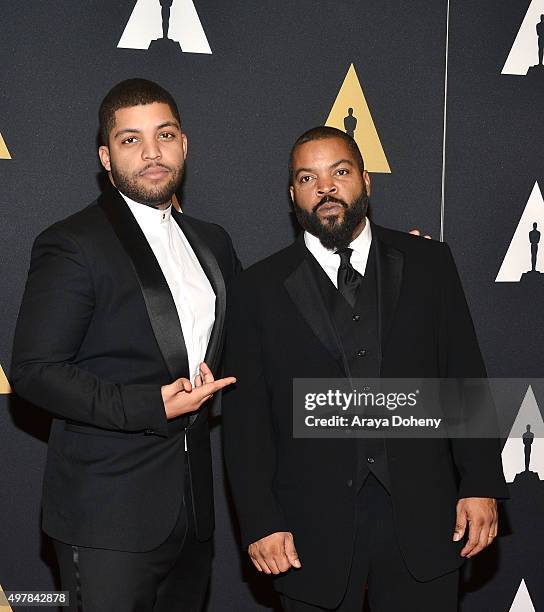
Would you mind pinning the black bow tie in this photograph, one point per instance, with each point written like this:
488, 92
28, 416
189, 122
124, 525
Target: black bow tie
349, 280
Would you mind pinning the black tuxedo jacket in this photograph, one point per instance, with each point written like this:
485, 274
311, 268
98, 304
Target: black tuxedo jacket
278, 328
97, 336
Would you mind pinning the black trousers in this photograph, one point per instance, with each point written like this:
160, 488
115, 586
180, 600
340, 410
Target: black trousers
378, 571
173, 577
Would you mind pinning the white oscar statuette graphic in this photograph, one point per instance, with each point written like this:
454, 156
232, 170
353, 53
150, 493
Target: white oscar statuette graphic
513, 455
522, 601
524, 52
145, 25
517, 260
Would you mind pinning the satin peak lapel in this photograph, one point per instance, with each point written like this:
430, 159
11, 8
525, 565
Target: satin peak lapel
159, 302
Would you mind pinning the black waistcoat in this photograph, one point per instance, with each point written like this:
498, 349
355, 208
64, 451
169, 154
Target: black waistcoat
359, 337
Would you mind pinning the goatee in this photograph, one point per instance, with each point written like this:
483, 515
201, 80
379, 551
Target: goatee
131, 187
333, 233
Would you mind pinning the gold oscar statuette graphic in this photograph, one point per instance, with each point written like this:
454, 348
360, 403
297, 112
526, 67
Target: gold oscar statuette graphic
4, 605
350, 113
4, 153
5, 387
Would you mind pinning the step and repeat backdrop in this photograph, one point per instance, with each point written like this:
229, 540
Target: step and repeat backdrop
446, 100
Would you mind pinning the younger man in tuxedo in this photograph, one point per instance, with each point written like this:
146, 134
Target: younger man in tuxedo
120, 330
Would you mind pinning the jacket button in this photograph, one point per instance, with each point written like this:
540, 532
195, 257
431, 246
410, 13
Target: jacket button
349, 482
149, 432
356, 317
361, 353
370, 459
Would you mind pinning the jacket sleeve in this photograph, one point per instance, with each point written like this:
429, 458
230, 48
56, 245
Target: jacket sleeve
478, 460
57, 308
248, 432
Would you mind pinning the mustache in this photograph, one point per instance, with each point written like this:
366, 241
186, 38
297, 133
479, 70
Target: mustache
326, 199
155, 165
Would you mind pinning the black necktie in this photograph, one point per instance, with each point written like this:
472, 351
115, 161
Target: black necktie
349, 280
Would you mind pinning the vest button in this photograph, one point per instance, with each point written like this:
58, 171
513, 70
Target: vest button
349, 482
361, 353
370, 459
356, 317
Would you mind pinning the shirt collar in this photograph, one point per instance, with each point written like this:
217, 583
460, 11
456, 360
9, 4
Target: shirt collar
360, 246
148, 216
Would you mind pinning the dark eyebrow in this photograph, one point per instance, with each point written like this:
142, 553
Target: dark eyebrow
299, 170
340, 162
332, 166
137, 131
126, 131
169, 124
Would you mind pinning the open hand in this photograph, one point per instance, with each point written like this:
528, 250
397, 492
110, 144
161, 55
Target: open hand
480, 513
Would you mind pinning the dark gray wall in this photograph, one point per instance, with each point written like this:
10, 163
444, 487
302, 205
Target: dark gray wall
275, 71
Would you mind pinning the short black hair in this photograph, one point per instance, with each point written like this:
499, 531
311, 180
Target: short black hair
131, 92
323, 132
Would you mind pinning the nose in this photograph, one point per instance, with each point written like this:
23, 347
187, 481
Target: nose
325, 186
151, 150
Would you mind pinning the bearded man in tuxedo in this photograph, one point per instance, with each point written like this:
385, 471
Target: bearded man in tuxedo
351, 299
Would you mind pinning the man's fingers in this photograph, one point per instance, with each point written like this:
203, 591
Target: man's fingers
257, 559
283, 563
474, 531
417, 232
268, 563
182, 384
482, 542
460, 526
482, 517
206, 373
198, 380
269, 557
216, 385
205, 391
488, 533
256, 564
485, 540
291, 551
262, 562
269, 553
276, 561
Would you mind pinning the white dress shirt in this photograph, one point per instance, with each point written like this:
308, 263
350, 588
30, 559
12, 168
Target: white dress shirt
330, 261
190, 288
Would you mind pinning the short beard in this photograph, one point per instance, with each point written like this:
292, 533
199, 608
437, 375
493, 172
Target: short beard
333, 234
128, 185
